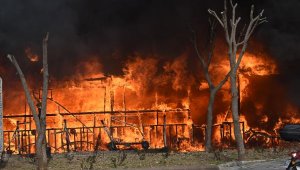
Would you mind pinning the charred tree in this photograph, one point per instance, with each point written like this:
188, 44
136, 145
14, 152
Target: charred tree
236, 49
40, 121
213, 89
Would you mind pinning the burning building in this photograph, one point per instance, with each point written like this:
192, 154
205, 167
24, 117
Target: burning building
130, 75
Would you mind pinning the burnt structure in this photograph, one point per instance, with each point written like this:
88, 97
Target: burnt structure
112, 129
83, 138
142, 129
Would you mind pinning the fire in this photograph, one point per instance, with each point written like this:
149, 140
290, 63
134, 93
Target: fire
254, 65
138, 100
31, 56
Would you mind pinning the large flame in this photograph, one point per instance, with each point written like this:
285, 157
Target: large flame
147, 84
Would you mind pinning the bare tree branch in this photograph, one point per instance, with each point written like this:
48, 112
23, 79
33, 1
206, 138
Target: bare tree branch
251, 12
45, 77
215, 15
254, 22
195, 43
231, 3
26, 89
223, 81
212, 37
224, 17
242, 34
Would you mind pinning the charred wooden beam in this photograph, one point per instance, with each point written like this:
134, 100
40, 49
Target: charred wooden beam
101, 112
21, 116
128, 111
165, 131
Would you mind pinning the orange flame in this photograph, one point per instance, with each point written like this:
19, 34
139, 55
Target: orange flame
31, 56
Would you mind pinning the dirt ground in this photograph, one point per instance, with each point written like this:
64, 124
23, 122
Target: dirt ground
145, 160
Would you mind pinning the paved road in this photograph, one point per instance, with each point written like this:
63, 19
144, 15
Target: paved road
260, 165
279, 164
207, 167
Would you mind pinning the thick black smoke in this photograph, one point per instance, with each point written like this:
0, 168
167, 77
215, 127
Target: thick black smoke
282, 37
112, 30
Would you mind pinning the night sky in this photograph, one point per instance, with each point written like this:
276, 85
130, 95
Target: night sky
116, 29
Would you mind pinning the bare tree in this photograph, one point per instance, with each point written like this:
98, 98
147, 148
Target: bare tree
236, 49
213, 89
40, 120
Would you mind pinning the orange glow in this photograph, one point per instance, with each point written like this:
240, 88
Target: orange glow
31, 56
145, 85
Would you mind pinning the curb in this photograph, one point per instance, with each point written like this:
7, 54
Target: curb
235, 165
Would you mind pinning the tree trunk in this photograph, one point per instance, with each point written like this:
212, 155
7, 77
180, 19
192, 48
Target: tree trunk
230, 27
236, 117
40, 121
41, 154
41, 145
26, 89
41, 141
209, 121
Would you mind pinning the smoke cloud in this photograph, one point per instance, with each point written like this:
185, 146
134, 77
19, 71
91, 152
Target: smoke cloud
111, 31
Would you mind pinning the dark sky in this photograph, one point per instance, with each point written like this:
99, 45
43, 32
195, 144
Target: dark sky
82, 28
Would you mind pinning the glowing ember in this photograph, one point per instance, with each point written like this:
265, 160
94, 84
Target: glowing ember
31, 56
